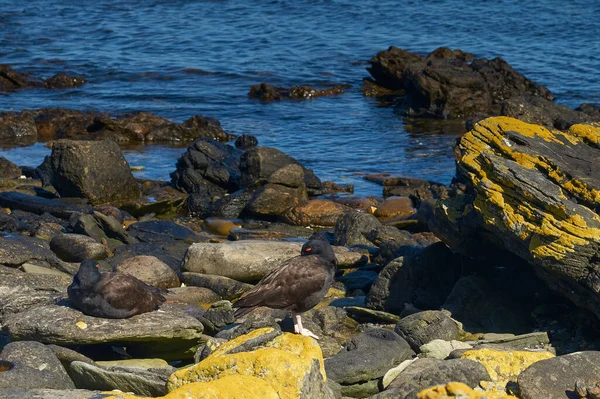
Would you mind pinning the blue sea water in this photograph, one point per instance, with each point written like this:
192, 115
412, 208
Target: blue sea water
179, 58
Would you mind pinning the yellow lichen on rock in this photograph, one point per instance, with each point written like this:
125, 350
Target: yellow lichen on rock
588, 132
283, 362
459, 390
505, 366
230, 387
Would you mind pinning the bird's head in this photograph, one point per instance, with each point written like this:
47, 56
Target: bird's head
88, 272
320, 247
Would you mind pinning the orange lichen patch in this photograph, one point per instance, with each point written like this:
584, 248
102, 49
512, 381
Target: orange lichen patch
588, 132
459, 390
283, 363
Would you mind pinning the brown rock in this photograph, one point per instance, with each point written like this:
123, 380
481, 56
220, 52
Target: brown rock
317, 212
150, 270
395, 208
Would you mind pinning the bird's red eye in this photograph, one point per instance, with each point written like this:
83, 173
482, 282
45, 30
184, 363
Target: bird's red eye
307, 249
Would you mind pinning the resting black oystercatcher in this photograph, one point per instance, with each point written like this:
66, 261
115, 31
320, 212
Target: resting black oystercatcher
111, 295
298, 285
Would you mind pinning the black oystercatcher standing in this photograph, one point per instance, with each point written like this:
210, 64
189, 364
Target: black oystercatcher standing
297, 285
111, 295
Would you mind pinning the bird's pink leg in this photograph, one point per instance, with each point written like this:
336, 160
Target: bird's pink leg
298, 327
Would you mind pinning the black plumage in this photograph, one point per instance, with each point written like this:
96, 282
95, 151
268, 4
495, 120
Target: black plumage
297, 285
111, 295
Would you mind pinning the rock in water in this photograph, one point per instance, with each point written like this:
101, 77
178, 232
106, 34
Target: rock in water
298, 285
111, 295
95, 170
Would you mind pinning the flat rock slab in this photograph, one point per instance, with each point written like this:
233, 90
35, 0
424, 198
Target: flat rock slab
39, 205
158, 331
20, 393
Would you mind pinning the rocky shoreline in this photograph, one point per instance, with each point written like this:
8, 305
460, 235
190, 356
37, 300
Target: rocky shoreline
486, 288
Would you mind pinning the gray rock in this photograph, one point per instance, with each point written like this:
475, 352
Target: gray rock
101, 227
225, 287
191, 294
423, 327
150, 270
290, 175
126, 379
77, 247
535, 340
67, 356
32, 365
240, 260
366, 359
217, 316
440, 349
168, 334
352, 228
424, 373
171, 252
556, 377
152, 231
95, 170
273, 200
333, 327
16, 250
20, 393
483, 307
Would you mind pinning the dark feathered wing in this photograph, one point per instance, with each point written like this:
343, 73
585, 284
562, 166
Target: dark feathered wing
284, 287
126, 292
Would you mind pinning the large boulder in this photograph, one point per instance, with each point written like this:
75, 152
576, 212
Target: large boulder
534, 193
93, 170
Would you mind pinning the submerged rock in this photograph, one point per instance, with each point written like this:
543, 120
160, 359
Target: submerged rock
266, 92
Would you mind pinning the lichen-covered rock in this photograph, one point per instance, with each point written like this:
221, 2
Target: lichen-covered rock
95, 170
505, 366
289, 364
535, 193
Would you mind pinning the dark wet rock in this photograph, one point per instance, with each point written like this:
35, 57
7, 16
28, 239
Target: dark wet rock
352, 228
8, 223
208, 162
424, 373
163, 230
365, 360
358, 280
17, 129
150, 270
542, 111
207, 128
423, 327
387, 67
225, 287
9, 170
259, 163
101, 227
423, 278
11, 80
64, 81
316, 212
126, 379
245, 142
230, 206
93, 170
77, 247
59, 123
592, 110
333, 327
32, 365
266, 92
481, 306
556, 377
168, 334
245, 261
219, 315
39, 205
